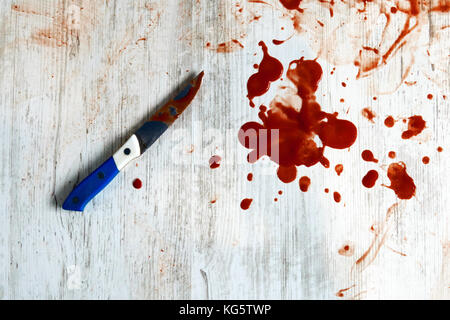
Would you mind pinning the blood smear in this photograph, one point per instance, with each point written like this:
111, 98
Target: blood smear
214, 162
337, 196
339, 168
370, 179
416, 124
402, 184
367, 155
368, 114
137, 183
304, 183
245, 203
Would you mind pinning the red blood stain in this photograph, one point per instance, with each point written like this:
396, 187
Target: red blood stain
340, 293
245, 203
326, 190
213, 201
426, 160
430, 96
402, 184
344, 84
295, 130
279, 42
269, 70
226, 47
137, 183
439, 149
291, 4
337, 196
416, 124
304, 183
389, 122
339, 168
391, 154
280, 192
370, 179
346, 250
250, 177
367, 155
287, 174
368, 113
214, 162
275, 199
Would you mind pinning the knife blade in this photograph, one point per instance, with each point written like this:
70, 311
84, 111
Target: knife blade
134, 147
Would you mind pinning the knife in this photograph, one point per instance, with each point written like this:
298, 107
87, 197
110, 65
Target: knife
135, 146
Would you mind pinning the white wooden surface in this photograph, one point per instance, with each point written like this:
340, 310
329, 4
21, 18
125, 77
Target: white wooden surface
77, 77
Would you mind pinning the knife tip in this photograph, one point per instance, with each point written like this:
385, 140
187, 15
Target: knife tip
199, 77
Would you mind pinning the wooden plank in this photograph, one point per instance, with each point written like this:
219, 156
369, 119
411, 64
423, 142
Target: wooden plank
78, 77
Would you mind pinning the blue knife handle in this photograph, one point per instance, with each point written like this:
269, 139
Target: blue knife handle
91, 186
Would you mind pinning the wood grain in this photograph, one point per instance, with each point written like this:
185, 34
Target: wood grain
78, 77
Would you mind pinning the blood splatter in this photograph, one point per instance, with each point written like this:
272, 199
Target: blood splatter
287, 174
291, 4
245, 203
369, 114
416, 124
340, 293
337, 196
278, 42
326, 190
367, 155
214, 162
430, 96
346, 250
250, 177
269, 70
392, 154
295, 130
137, 183
426, 160
280, 192
402, 184
304, 183
439, 149
370, 179
389, 122
339, 168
